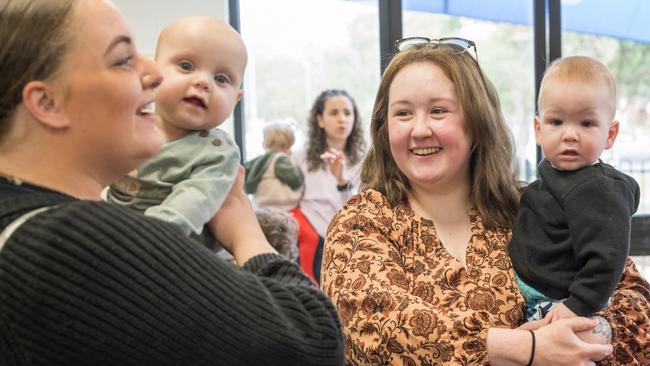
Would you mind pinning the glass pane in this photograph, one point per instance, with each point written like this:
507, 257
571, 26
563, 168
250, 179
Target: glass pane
628, 61
622, 44
299, 48
495, 43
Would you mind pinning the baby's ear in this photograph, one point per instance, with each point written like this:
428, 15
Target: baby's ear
240, 94
44, 102
536, 127
612, 133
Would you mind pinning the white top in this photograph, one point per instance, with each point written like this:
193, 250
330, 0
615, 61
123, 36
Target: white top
321, 199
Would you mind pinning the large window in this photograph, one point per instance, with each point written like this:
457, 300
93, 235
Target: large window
505, 52
623, 47
629, 63
299, 48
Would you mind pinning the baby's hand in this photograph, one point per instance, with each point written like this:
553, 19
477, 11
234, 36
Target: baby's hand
559, 311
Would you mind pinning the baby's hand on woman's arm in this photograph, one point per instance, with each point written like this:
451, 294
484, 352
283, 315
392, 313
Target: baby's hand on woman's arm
559, 311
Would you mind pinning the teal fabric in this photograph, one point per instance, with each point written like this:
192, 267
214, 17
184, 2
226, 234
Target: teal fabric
537, 304
185, 183
531, 295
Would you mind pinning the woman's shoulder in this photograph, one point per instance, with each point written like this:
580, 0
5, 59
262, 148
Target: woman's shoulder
366, 205
90, 218
368, 197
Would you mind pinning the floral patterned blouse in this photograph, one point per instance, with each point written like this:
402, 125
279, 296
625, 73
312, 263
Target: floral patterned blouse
404, 300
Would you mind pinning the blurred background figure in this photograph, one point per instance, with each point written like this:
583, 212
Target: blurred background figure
281, 231
331, 162
273, 179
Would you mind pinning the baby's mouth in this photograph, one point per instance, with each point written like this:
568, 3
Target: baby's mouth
196, 101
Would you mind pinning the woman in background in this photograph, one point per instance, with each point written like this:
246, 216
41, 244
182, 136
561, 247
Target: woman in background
331, 164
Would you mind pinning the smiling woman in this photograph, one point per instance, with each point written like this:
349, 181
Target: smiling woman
417, 263
85, 282
98, 89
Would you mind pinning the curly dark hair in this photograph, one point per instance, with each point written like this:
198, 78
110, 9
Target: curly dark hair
317, 144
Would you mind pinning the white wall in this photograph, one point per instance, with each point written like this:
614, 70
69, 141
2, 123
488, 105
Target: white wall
148, 17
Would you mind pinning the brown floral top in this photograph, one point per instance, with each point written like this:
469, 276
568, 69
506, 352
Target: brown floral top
404, 300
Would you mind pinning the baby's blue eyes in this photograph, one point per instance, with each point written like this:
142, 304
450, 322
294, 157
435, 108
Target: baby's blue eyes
558, 122
221, 79
186, 66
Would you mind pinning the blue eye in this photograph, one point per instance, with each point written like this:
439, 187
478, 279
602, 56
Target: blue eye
221, 79
186, 66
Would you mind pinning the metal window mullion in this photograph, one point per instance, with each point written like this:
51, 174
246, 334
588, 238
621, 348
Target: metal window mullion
390, 29
238, 115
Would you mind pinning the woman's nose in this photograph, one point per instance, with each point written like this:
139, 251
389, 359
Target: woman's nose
421, 127
151, 77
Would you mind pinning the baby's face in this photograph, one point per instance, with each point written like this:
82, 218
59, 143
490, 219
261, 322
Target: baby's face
203, 69
575, 122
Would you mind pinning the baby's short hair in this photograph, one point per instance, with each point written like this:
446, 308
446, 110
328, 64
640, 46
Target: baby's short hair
582, 69
281, 230
278, 136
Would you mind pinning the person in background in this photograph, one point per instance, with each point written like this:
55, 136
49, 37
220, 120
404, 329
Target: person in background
417, 263
273, 179
572, 233
202, 60
84, 282
331, 162
281, 230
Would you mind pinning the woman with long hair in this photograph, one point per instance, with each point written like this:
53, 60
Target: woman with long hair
330, 162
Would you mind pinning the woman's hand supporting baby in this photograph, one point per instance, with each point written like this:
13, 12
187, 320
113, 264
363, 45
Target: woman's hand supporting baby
237, 213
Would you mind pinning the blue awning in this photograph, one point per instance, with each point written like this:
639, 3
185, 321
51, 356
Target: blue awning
624, 19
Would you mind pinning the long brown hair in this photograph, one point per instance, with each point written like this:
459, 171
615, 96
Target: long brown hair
355, 144
495, 189
34, 35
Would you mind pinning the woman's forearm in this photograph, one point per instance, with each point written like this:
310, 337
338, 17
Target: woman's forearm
509, 346
555, 344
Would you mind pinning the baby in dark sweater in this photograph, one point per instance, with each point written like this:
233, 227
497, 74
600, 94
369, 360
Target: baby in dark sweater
572, 233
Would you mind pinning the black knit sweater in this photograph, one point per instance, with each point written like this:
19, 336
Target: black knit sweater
572, 234
96, 284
